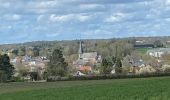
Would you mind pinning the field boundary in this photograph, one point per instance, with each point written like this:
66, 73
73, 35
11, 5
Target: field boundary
103, 77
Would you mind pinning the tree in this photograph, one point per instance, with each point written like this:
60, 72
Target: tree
6, 69
114, 60
118, 66
158, 43
15, 52
57, 65
106, 67
30, 52
36, 51
22, 51
107, 64
21, 69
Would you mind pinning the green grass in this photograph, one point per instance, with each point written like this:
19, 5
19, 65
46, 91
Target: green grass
118, 89
142, 50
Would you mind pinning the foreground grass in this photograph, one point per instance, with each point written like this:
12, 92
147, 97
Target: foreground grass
123, 89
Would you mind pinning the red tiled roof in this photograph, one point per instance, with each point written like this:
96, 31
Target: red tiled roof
85, 68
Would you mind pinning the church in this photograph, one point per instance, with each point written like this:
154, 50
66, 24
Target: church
86, 60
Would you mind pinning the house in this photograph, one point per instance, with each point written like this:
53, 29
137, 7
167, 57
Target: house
84, 68
17, 60
137, 66
27, 58
143, 69
165, 68
113, 71
167, 42
140, 41
32, 63
78, 73
158, 52
33, 69
147, 69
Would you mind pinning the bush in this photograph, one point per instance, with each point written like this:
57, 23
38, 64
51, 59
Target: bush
102, 77
17, 79
53, 78
167, 70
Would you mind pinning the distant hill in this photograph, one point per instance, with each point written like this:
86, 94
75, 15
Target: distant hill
71, 46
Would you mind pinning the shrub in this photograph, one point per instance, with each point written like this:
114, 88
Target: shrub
17, 79
102, 77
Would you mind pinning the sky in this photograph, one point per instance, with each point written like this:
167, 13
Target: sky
37, 20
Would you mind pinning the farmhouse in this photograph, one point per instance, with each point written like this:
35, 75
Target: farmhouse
141, 67
137, 66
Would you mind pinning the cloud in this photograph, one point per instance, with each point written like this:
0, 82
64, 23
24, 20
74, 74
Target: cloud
13, 17
69, 17
45, 4
116, 17
104, 1
40, 18
91, 6
167, 19
55, 18
52, 35
83, 18
167, 2
5, 5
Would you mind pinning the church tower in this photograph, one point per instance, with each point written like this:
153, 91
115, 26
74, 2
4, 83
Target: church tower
80, 50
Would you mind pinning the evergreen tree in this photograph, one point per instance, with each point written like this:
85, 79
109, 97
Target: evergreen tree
6, 69
118, 66
113, 60
57, 65
106, 67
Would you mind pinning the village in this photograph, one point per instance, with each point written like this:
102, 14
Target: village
89, 63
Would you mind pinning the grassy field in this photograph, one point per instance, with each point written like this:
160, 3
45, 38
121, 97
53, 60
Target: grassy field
122, 89
142, 50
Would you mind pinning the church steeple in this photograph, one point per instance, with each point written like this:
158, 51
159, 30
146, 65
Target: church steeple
80, 49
